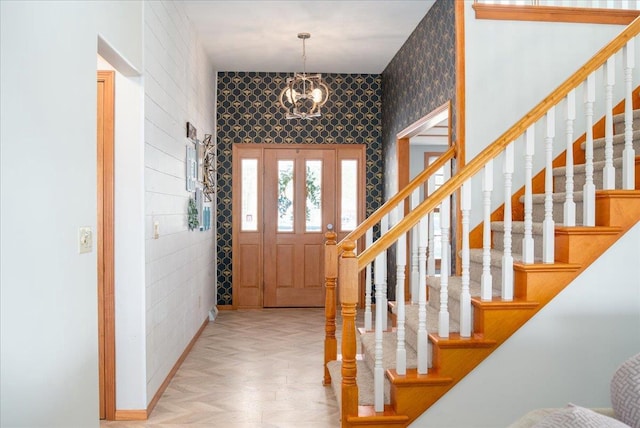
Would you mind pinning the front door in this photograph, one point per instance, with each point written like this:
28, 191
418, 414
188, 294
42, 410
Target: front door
285, 198
299, 202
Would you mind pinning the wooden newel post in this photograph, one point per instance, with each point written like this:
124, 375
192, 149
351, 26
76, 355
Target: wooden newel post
331, 274
349, 299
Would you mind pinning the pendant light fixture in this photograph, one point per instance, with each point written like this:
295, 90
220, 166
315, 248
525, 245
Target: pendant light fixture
305, 93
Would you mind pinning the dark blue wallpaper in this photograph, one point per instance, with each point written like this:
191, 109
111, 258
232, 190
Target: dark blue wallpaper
248, 112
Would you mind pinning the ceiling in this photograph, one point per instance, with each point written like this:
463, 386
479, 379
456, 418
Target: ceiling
346, 36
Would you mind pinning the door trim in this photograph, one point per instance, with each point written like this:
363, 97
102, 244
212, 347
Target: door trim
105, 242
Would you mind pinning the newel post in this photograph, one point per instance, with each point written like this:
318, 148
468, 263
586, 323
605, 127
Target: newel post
331, 274
349, 299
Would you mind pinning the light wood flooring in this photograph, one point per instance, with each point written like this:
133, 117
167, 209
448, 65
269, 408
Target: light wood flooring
248, 369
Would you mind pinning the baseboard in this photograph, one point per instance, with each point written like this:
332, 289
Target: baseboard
225, 307
213, 313
175, 368
131, 415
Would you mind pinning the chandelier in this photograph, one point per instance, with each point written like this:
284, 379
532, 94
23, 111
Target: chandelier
305, 93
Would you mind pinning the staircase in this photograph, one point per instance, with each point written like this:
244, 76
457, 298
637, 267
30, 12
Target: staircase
570, 261
452, 355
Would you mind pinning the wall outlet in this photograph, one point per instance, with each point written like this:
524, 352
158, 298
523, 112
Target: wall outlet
156, 230
85, 240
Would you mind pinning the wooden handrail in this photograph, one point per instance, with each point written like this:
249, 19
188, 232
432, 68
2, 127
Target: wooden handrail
494, 149
375, 218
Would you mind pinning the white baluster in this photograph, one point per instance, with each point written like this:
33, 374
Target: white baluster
465, 295
609, 172
548, 225
507, 257
422, 296
569, 204
378, 371
367, 292
431, 256
415, 276
589, 189
401, 263
628, 154
487, 188
445, 221
527, 241
384, 227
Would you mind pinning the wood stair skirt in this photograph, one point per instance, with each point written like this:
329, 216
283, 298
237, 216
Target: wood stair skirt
452, 358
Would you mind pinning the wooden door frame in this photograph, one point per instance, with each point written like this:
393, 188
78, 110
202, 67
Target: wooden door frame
403, 152
236, 195
105, 242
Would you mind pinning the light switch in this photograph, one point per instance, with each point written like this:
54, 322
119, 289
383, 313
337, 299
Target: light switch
156, 230
85, 240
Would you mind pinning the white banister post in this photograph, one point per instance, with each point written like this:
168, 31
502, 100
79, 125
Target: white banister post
609, 172
415, 278
422, 296
445, 222
367, 296
401, 262
628, 154
527, 241
431, 255
487, 188
383, 302
507, 257
378, 371
548, 225
569, 204
465, 295
589, 189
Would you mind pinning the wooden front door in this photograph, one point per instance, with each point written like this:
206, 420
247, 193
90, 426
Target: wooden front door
284, 199
299, 203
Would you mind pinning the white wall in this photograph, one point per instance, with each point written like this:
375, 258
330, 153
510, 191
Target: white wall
180, 265
567, 352
48, 312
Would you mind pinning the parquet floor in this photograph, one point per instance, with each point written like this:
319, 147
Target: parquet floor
250, 369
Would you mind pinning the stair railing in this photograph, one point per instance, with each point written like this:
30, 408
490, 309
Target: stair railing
481, 167
334, 249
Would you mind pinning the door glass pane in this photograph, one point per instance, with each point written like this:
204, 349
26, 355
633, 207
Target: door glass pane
313, 205
349, 191
249, 171
285, 195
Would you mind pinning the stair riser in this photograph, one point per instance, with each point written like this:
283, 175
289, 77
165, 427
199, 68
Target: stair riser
475, 272
560, 181
618, 127
558, 212
516, 243
453, 303
598, 152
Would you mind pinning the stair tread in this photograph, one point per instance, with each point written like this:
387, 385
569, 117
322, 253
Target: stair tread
538, 198
389, 341
617, 139
364, 379
517, 227
580, 167
455, 286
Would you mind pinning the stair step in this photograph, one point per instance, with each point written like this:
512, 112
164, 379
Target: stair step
618, 145
558, 207
364, 379
389, 341
618, 122
517, 232
454, 289
560, 179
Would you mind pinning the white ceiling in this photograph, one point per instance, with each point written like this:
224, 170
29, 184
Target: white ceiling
346, 36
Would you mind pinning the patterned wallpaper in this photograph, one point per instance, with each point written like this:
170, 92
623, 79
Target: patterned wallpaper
248, 112
419, 78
